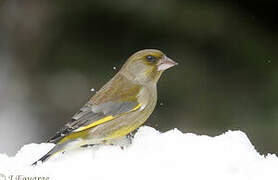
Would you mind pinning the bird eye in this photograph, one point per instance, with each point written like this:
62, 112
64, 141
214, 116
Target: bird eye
151, 58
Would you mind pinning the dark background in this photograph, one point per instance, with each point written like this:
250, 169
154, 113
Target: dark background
53, 52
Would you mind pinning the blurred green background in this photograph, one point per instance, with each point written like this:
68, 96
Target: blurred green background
53, 52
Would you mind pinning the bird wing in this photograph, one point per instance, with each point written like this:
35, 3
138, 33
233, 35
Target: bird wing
90, 116
110, 102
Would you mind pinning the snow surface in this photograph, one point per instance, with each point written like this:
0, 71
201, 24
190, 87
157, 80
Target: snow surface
152, 155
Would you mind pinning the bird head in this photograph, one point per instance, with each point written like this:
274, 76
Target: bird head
146, 65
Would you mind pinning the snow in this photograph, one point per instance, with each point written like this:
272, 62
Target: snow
152, 155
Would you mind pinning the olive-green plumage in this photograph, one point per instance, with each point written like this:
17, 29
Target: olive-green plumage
119, 107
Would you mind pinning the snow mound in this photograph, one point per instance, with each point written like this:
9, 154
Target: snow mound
152, 155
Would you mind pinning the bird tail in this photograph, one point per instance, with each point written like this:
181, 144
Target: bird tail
44, 158
58, 148
69, 144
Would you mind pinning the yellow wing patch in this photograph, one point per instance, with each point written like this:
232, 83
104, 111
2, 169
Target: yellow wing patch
103, 120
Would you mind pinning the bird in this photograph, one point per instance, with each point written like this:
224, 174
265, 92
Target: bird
121, 106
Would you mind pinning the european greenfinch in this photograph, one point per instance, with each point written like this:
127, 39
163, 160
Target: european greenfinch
118, 108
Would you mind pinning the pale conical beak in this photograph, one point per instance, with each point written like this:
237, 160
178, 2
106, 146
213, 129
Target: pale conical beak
165, 63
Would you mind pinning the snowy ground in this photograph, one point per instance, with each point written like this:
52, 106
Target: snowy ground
152, 155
